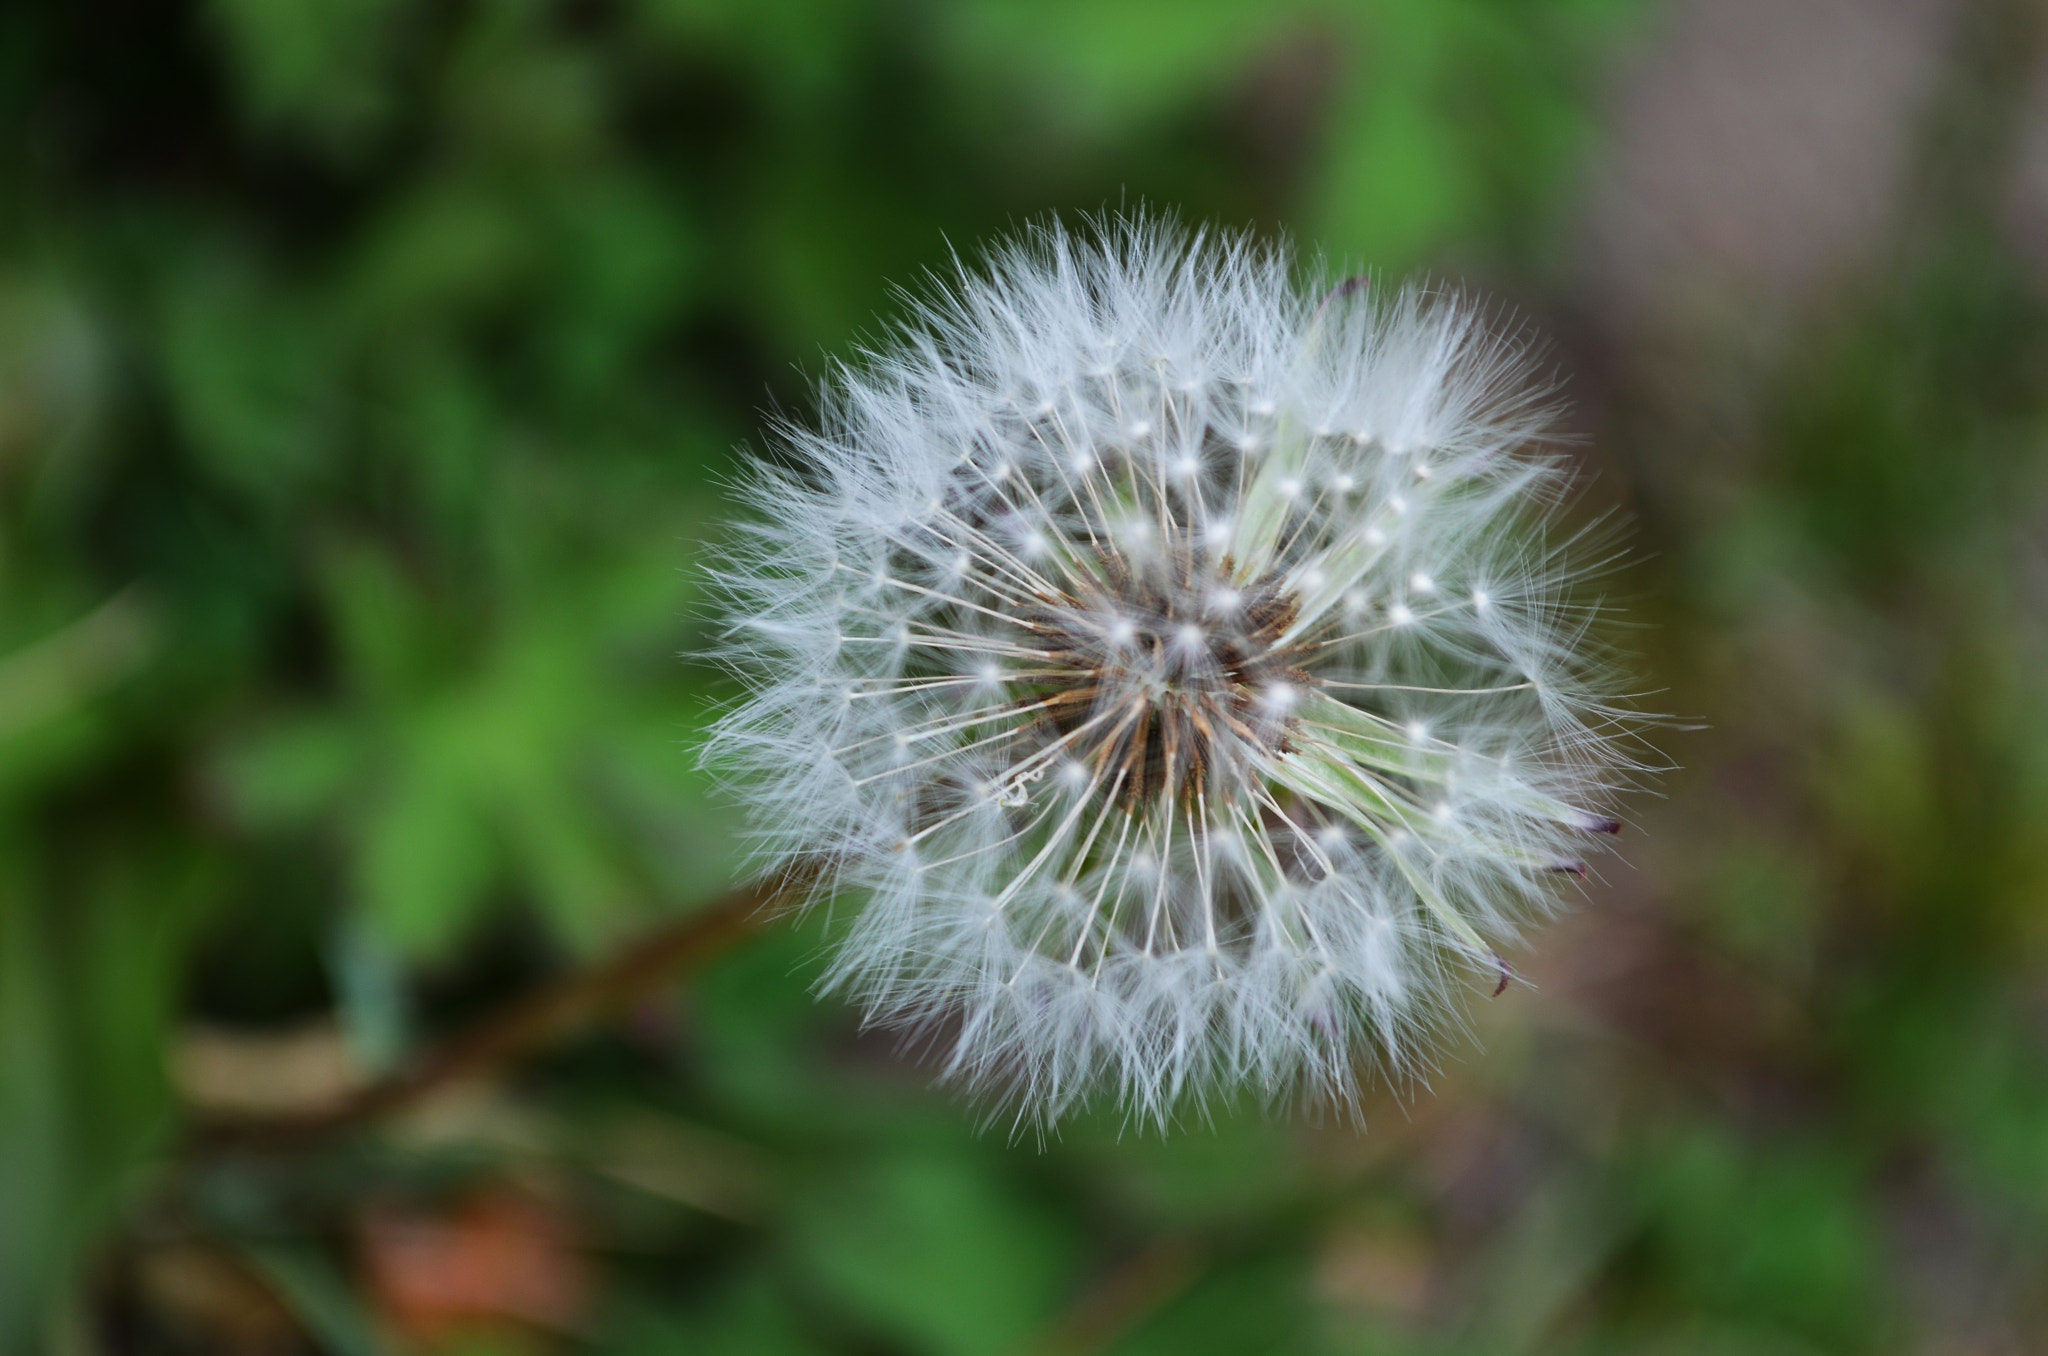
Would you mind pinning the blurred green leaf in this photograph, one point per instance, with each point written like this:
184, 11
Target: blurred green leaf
452, 249
320, 1297
291, 771
746, 1317
86, 994
254, 381
427, 849
936, 1250
55, 366
312, 66
1778, 1234
1250, 1303
1103, 67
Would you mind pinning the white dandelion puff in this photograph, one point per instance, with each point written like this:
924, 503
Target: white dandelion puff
1132, 509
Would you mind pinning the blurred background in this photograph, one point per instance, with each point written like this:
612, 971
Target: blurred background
369, 371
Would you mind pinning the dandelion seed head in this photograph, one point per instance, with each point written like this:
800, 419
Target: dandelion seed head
1142, 801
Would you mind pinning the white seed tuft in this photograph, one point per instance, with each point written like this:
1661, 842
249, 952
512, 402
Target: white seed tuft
1277, 830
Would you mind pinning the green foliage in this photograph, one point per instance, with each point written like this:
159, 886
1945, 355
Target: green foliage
930, 1247
86, 997
369, 370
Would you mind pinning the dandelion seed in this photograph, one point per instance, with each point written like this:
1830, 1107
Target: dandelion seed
1144, 797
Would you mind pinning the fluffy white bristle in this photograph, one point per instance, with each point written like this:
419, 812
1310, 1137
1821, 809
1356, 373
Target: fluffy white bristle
1257, 573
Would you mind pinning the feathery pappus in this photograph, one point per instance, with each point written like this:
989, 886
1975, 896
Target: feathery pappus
1175, 663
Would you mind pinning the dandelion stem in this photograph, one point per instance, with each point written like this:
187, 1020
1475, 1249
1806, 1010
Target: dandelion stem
526, 1023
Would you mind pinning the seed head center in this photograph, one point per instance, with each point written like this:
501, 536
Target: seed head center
1171, 682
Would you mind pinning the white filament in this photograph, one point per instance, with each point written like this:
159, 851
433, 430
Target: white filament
1085, 471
